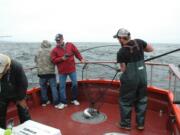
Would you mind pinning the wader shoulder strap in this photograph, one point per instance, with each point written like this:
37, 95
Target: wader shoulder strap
134, 46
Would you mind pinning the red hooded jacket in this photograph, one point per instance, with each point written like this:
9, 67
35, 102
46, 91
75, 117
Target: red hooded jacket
68, 65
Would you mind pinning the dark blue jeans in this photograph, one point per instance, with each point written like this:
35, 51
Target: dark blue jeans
62, 88
44, 87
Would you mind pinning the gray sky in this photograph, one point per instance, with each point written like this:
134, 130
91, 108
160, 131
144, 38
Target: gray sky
90, 20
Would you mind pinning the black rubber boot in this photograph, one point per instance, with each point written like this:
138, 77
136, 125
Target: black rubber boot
3, 110
23, 114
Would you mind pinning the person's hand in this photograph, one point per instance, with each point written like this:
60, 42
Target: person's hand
64, 58
83, 61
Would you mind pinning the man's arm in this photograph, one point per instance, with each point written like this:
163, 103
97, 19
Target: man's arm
123, 67
148, 48
77, 54
55, 59
21, 82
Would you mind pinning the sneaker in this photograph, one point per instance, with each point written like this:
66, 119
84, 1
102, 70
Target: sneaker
48, 102
43, 105
61, 106
140, 127
56, 106
75, 102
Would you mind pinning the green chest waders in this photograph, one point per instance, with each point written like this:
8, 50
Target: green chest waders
133, 91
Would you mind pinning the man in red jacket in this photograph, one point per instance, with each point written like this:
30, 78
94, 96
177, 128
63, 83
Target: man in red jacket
63, 56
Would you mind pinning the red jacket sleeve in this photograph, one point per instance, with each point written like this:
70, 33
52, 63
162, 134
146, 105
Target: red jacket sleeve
55, 58
77, 53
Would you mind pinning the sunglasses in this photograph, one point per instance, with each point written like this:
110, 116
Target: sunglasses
123, 38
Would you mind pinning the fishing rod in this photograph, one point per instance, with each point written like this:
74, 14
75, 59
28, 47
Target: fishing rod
101, 97
152, 58
92, 111
31, 68
158, 56
96, 47
97, 63
117, 45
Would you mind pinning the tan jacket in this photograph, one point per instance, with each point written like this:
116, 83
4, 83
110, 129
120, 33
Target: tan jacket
43, 60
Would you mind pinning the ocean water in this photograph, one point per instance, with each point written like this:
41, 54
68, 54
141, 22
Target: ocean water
25, 52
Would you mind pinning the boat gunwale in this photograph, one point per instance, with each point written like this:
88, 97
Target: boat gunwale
175, 109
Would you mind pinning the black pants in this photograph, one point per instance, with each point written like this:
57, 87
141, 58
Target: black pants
23, 113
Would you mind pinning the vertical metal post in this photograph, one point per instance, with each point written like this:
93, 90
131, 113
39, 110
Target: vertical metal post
151, 76
86, 72
175, 83
170, 77
174, 90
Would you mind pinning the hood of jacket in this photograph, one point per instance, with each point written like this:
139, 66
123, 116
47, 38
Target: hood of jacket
45, 44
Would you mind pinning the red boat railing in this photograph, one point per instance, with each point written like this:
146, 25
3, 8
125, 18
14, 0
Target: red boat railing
165, 76
163, 79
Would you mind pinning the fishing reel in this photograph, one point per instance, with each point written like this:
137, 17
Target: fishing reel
90, 113
66, 55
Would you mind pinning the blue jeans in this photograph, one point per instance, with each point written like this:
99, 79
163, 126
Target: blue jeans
44, 87
62, 88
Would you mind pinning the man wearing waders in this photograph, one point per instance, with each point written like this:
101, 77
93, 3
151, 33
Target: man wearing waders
133, 88
13, 86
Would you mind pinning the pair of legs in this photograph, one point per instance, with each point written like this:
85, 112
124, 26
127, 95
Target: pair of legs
23, 112
62, 88
130, 97
44, 88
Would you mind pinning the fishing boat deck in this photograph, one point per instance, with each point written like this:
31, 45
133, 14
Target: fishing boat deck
61, 119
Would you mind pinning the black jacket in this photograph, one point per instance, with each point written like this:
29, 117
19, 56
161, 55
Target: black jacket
14, 83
